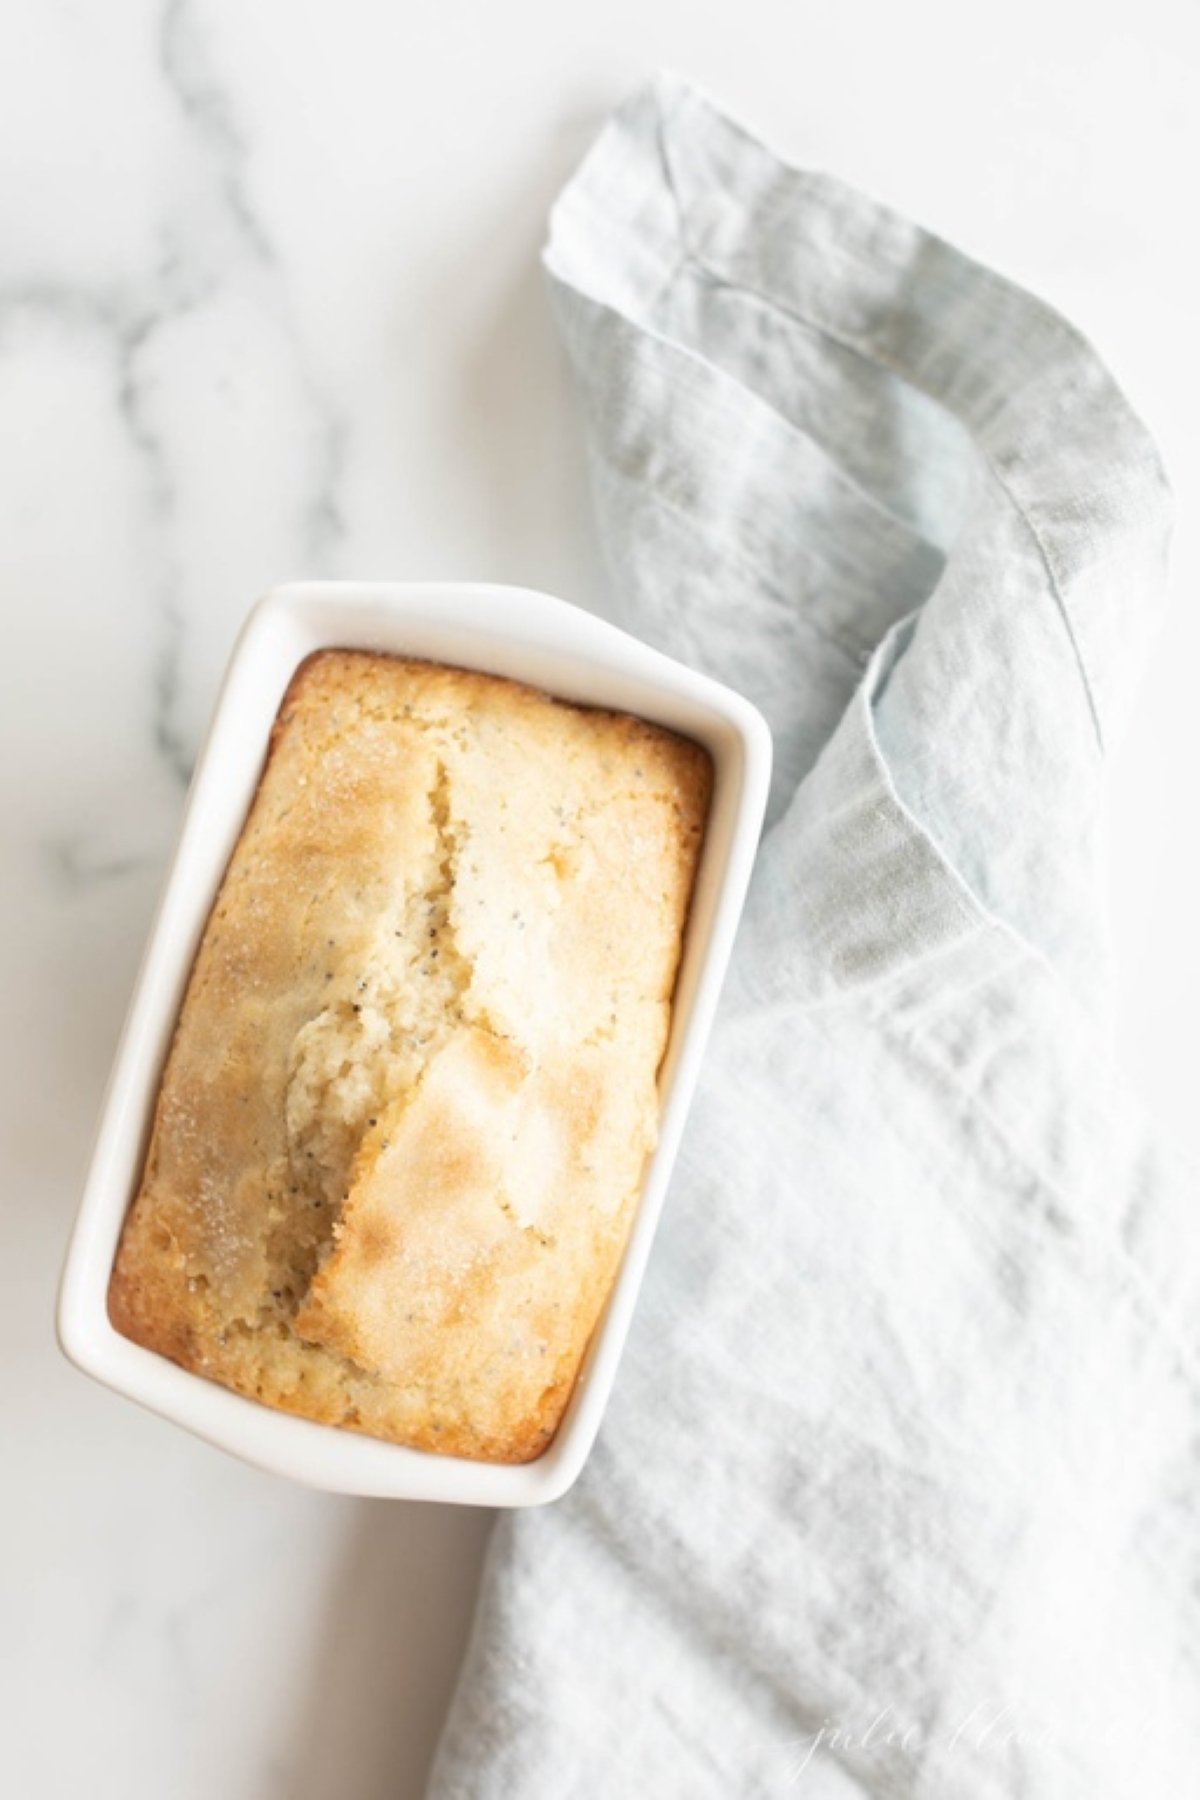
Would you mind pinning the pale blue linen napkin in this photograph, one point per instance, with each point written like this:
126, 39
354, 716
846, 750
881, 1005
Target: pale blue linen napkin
897, 1493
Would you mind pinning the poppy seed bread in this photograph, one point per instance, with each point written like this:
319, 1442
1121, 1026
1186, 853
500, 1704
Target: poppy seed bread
403, 1122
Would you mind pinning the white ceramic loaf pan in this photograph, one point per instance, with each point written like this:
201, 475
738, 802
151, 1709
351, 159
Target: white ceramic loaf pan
505, 631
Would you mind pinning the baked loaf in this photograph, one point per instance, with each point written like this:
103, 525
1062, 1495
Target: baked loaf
403, 1123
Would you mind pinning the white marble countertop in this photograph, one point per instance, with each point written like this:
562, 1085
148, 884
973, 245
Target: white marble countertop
270, 307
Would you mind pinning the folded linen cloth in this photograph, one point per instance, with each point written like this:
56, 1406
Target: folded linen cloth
897, 1492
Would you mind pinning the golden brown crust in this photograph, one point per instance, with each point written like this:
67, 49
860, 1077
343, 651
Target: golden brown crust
402, 1127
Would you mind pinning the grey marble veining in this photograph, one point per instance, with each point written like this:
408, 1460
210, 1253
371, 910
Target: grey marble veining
203, 253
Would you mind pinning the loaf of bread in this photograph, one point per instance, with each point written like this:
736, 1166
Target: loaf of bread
404, 1119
